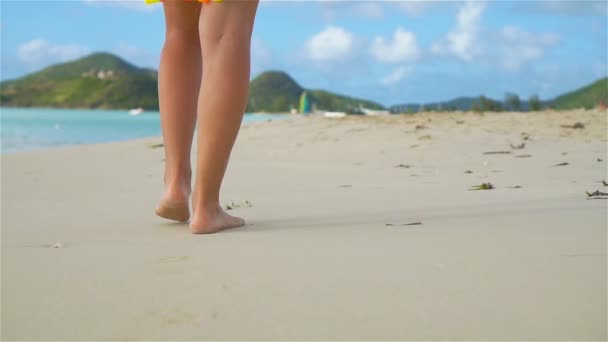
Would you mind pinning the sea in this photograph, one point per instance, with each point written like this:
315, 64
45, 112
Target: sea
26, 129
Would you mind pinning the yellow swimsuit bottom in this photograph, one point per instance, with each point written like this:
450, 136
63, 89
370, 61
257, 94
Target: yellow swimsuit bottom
203, 1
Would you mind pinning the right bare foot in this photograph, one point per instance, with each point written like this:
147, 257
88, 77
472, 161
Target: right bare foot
214, 221
174, 205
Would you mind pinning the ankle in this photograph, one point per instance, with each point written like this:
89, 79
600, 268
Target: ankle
178, 180
207, 209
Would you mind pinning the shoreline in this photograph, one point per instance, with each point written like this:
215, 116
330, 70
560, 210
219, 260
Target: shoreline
271, 116
290, 116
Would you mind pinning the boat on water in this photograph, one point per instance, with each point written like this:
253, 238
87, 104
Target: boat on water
136, 111
373, 112
334, 114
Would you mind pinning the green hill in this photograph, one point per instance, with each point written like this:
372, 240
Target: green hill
586, 97
102, 80
275, 91
99, 80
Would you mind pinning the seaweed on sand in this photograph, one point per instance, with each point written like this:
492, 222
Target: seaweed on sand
597, 195
483, 186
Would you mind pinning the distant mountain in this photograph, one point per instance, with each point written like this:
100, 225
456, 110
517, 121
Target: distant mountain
275, 91
100, 80
585, 97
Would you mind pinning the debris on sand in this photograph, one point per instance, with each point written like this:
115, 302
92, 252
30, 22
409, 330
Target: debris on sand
518, 147
56, 245
523, 156
497, 152
599, 160
404, 224
468, 171
577, 125
233, 205
561, 164
403, 166
515, 187
597, 195
483, 186
418, 127
156, 145
605, 183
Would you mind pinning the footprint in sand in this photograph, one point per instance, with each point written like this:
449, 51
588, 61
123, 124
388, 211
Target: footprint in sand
172, 259
173, 316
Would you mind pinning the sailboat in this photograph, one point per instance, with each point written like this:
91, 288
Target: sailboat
136, 111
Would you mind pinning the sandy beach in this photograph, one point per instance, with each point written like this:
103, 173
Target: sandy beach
332, 249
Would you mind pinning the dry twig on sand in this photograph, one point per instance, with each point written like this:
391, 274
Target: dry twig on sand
497, 152
577, 125
404, 224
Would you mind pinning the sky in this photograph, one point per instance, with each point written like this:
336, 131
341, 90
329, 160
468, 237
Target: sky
392, 52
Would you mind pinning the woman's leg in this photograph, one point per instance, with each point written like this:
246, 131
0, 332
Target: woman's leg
179, 81
225, 34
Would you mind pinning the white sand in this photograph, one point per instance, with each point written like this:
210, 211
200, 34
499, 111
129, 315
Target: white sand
317, 260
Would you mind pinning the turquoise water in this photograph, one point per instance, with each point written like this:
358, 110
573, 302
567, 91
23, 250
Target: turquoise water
24, 129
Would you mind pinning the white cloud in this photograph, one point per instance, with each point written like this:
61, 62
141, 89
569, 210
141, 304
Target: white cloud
39, 52
518, 47
371, 10
413, 7
462, 40
402, 48
332, 44
139, 5
395, 77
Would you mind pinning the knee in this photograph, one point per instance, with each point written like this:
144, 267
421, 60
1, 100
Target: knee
182, 35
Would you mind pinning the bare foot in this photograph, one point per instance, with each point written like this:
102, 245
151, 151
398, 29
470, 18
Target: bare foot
214, 221
174, 205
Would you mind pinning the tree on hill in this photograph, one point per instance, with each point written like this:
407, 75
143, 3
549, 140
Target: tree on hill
534, 103
484, 104
512, 102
